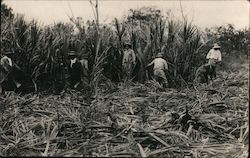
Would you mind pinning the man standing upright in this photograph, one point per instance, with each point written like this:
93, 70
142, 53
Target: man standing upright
214, 57
75, 70
128, 60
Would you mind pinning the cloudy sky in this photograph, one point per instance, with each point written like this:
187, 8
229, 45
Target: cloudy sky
206, 13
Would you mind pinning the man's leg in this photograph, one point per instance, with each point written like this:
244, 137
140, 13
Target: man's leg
127, 71
161, 78
72, 81
213, 74
164, 82
205, 76
124, 70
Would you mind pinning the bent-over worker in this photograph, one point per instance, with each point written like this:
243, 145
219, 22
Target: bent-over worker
160, 67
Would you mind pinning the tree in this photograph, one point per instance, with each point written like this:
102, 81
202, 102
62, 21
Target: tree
6, 13
144, 15
229, 38
6, 19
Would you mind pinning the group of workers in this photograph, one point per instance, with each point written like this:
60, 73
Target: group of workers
207, 71
160, 67
78, 68
13, 78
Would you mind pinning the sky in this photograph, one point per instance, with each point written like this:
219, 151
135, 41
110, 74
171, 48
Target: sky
203, 13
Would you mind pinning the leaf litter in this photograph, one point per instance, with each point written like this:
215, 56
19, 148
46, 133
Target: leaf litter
133, 120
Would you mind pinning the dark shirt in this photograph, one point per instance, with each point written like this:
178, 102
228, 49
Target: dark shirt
75, 72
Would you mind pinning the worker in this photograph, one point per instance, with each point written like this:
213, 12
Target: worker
214, 58
204, 73
160, 67
75, 70
128, 60
6, 71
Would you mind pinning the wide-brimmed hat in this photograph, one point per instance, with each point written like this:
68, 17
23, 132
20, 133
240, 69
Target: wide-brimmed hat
84, 56
72, 53
8, 52
216, 46
159, 55
127, 44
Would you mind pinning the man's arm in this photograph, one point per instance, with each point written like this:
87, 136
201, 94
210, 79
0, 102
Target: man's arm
133, 57
150, 64
219, 59
165, 65
219, 56
209, 54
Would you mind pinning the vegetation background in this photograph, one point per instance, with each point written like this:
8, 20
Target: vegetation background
70, 124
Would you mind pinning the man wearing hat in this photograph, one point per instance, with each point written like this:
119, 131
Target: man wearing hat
6, 61
75, 70
160, 66
6, 73
214, 57
128, 60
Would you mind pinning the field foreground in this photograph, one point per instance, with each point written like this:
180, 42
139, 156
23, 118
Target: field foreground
132, 120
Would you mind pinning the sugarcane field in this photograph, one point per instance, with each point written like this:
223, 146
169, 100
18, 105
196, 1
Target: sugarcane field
99, 78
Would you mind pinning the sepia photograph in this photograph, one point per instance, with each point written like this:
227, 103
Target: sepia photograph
124, 78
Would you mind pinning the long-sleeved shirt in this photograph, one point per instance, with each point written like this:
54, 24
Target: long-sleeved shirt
128, 56
214, 54
159, 63
72, 61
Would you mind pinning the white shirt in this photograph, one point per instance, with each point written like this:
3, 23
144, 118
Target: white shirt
159, 63
6, 61
72, 61
214, 54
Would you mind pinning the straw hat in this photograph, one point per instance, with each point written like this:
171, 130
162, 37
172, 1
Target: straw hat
159, 55
216, 46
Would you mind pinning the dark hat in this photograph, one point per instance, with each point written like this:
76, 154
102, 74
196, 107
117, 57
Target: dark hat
72, 53
8, 52
127, 44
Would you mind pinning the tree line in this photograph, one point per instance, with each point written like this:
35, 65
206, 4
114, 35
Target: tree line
183, 44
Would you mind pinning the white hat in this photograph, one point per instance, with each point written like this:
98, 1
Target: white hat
216, 46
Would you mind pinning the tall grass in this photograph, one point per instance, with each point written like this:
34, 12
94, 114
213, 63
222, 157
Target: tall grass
36, 46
